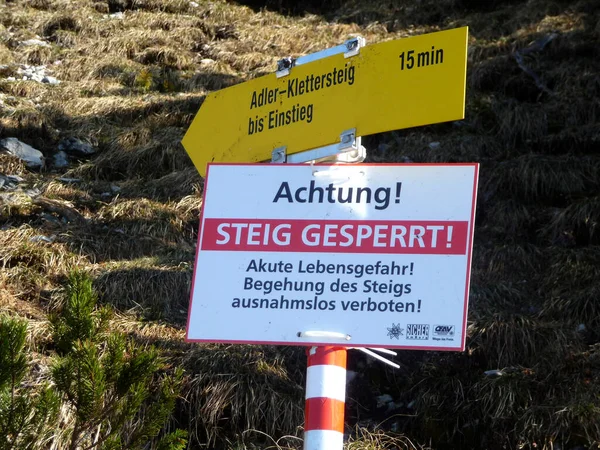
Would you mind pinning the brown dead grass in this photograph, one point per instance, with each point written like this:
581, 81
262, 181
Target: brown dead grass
248, 385
11, 165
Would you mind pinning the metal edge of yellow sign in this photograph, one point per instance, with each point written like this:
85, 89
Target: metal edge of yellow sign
390, 85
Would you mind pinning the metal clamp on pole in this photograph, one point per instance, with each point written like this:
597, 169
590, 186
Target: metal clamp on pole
278, 156
324, 334
348, 150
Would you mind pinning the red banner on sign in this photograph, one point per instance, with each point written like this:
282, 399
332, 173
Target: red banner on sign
357, 236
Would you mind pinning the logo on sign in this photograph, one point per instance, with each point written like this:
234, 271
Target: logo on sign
418, 332
395, 331
443, 330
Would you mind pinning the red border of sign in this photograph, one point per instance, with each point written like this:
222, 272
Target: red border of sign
344, 344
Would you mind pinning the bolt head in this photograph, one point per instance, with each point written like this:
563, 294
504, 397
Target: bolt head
351, 45
284, 64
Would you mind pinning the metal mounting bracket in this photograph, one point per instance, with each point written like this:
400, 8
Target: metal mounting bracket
346, 337
348, 150
349, 48
324, 334
278, 155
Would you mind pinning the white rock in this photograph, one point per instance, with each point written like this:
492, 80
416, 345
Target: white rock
49, 80
194, 4
42, 238
207, 61
30, 156
434, 145
35, 43
118, 15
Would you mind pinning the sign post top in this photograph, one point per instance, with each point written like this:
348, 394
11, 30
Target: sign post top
390, 85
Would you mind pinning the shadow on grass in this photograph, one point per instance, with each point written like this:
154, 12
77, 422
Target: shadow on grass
156, 293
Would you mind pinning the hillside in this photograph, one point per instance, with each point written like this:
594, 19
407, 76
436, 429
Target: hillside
106, 89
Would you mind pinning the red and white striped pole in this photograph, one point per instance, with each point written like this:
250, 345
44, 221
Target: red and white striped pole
325, 398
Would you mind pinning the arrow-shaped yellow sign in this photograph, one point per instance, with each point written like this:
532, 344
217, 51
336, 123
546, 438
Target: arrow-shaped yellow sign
387, 86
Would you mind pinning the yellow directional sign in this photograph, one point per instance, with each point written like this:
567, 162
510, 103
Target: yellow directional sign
387, 86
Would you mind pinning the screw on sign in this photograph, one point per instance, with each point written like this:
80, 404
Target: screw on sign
334, 256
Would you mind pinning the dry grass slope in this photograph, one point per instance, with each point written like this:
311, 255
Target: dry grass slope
130, 86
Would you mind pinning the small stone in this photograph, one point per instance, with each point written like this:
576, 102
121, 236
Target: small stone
15, 178
76, 147
393, 406
34, 192
60, 160
30, 156
11, 79
493, 373
207, 61
118, 15
434, 145
194, 4
581, 328
50, 80
35, 43
383, 400
115, 189
42, 238
69, 180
